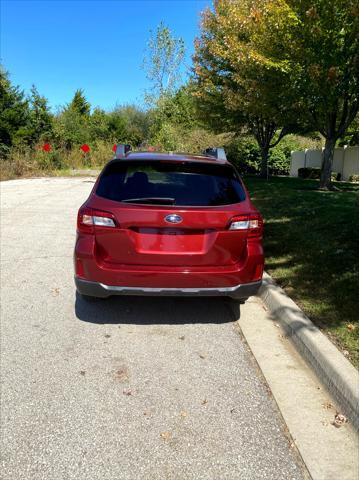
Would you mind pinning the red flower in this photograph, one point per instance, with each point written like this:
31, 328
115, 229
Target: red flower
114, 148
46, 147
85, 148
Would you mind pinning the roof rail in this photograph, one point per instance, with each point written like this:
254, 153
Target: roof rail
216, 152
122, 150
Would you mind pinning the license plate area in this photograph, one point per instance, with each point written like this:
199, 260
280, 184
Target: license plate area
178, 241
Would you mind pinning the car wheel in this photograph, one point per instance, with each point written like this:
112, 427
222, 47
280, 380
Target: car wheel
235, 306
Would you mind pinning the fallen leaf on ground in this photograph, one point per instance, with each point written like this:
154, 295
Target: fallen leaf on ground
182, 337
121, 374
82, 372
166, 435
204, 402
183, 414
202, 356
339, 420
127, 391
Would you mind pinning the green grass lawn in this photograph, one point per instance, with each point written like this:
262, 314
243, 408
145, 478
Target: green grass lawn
311, 242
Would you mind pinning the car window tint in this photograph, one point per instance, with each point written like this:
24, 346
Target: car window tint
189, 183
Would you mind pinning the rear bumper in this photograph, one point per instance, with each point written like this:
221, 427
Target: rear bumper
90, 267
97, 289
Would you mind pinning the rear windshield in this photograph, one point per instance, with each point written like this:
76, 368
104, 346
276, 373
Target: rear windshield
159, 182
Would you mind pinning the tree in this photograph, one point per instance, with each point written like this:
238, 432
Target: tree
237, 87
79, 104
324, 49
40, 118
269, 61
117, 126
14, 113
180, 108
71, 126
162, 62
352, 134
70, 129
99, 125
137, 124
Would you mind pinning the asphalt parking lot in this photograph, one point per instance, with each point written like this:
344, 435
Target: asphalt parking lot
125, 388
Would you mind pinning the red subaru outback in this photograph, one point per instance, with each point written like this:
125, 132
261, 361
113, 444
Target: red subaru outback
168, 224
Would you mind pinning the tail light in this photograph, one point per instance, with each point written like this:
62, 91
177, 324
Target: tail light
252, 223
88, 219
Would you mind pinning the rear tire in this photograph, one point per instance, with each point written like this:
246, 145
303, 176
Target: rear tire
235, 306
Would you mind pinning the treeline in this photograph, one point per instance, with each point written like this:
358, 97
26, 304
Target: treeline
33, 139
26, 121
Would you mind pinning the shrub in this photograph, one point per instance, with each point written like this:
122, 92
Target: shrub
168, 138
309, 172
24, 161
245, 154
19, 164
314, 173
279, 161
197, 140
354, 178
177, 138
53, 160
280, 155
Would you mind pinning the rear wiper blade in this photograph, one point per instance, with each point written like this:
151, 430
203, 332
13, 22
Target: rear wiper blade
156, 200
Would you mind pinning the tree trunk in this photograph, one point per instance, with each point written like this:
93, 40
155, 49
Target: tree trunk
264, 162
327, 163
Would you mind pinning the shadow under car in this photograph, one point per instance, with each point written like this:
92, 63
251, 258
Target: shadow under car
156, 310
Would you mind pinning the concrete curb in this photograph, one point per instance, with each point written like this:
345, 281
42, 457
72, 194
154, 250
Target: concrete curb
332, 368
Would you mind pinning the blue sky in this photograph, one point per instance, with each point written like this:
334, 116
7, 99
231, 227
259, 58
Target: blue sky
96, 45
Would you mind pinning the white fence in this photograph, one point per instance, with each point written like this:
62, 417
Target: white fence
345, 162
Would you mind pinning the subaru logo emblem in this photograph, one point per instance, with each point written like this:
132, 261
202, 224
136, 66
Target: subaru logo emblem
173, 218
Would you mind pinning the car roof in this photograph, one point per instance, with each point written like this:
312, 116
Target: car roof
172, 157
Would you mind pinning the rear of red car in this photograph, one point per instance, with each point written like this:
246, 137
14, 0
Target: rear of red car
158, 224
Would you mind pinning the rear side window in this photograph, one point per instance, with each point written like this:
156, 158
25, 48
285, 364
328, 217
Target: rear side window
159, 182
